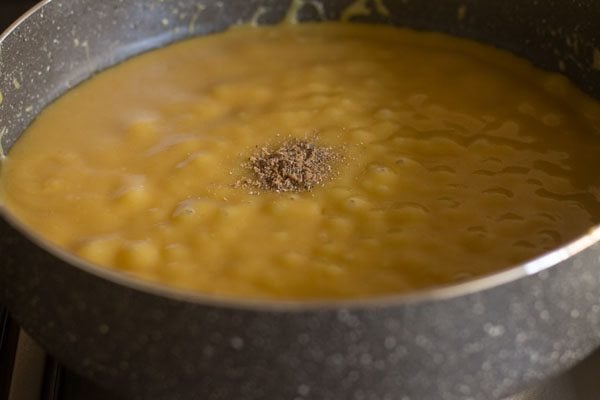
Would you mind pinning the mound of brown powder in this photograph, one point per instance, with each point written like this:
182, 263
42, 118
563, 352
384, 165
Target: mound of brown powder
296, 166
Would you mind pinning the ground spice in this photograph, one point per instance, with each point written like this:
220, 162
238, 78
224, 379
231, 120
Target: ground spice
296, 166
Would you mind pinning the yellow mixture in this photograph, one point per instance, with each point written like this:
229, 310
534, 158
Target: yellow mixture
458, 160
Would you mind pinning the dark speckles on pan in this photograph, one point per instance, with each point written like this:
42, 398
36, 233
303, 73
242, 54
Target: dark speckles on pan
455, 344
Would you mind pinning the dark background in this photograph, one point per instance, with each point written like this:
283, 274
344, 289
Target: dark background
10, 10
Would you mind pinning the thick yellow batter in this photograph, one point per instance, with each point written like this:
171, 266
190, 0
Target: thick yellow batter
458, 160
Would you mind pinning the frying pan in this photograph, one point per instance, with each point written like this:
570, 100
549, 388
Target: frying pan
483, 339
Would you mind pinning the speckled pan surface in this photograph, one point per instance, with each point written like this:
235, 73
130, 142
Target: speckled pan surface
483, 340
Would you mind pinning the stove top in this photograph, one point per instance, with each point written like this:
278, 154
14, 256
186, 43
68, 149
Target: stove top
28, 373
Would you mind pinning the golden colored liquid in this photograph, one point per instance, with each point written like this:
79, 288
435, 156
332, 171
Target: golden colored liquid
459, 160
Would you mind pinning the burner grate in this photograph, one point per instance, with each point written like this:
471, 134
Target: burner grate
53, 380
9, 338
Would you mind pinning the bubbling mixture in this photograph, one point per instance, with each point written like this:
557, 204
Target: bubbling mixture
453, 160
